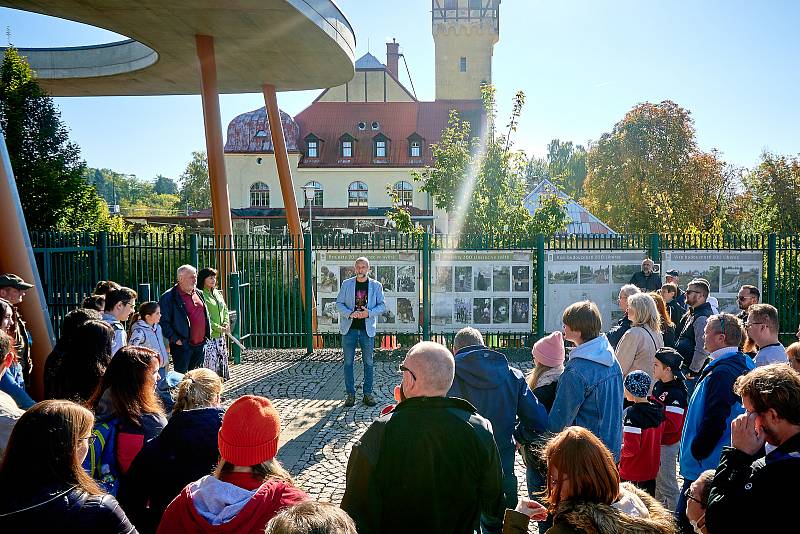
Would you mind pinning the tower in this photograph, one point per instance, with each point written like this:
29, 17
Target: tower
464, 34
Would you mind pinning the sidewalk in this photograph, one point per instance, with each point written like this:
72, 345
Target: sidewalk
317, 431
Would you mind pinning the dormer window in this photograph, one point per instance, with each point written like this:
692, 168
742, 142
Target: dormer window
380, 146
261, 133
313, 144
415, 143
346, 145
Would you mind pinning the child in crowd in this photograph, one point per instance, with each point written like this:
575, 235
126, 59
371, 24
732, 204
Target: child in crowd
642, 430
146, 332
119, 305
671, 393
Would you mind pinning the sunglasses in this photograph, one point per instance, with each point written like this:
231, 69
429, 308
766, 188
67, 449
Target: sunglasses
402, 369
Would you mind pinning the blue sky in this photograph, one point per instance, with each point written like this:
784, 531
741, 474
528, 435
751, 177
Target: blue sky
581, 63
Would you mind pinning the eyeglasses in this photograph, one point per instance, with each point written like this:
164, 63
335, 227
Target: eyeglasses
688, 494
90, 439
691, 291
748, 325
402, 368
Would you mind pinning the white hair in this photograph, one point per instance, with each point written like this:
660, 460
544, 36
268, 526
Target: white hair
628, 290
186, 268
361, 258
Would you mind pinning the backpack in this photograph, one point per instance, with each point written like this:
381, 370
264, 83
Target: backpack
111, 454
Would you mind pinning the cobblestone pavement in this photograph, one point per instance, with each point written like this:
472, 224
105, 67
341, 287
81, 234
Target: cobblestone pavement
317, 431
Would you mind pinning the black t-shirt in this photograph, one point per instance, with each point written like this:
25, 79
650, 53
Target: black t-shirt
362, 292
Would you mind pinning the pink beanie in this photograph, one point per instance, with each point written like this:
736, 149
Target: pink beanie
549, 350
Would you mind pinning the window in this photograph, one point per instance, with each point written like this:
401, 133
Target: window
462, 66
451, 4
259, 195
346, 146
380, 146
380, 149
313, 149
376, 125
261, 133
475, 4
357, 194
404, 192
415, 146
317, 202
362, 126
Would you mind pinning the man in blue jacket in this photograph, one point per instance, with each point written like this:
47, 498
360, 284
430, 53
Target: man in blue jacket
360, 302
185, 321
713, 405
500, 393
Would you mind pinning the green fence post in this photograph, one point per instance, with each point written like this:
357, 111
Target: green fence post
233, 299
771, 263
102, 251
655, 248
426, 286
539, 286
194, 256
310, 307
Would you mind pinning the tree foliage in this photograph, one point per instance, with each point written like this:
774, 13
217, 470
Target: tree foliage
135, 196
165, 186
772, 196
648, 175
195, 192
564, 166
481, 181
399, 215
47, 166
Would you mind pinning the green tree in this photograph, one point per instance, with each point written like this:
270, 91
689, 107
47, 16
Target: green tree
400, 216
195, 190
483, 183
47, 166
648, 175
165, 186
772, 193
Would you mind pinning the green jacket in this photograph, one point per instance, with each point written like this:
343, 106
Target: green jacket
217, 311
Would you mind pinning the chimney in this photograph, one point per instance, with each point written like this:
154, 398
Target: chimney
392, 57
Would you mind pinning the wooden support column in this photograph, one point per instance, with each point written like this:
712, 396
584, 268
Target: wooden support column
220, 200
288, 192
16, 256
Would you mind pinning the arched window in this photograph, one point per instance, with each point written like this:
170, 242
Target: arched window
317, 202
259, 195
357, 194
404, 192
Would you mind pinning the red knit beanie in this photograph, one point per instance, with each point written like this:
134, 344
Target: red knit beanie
249, 432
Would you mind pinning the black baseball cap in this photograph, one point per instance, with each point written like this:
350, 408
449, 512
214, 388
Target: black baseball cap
672, 272
12, 280
672, 359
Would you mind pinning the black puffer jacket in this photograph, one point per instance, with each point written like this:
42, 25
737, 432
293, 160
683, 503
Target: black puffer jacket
63, 510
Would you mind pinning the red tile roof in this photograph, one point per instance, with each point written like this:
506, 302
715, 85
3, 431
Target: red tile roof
398, 120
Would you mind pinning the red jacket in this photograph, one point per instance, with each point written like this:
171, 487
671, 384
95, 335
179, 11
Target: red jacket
641, 441
215, 497
675, 399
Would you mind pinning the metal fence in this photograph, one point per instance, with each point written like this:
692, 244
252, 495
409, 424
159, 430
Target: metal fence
265, 290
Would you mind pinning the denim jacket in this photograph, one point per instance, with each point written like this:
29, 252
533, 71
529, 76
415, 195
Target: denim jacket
589, 394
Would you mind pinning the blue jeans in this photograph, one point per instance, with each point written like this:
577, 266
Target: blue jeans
349, 341
13, 384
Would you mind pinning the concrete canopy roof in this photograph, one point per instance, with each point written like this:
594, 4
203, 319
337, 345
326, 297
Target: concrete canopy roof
291, 44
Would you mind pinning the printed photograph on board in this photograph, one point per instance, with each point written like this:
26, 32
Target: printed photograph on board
710, 273
501, 278
728, 305
500, 309
405, 311
735, 277
442, 310
594, 274
621, 274
385, 275
346, 271
462, 310
520, 310
330, 315
406, 279
562, 277
443, 280
482, 278
463, 279
482, 310
520, 276
389, 316
327, 282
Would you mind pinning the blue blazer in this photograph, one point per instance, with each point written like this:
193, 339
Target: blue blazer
346, 303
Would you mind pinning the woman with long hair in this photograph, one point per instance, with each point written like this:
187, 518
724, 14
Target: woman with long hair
637, 348
667, 325
43, 486
184, 451
13, 381
248, 487
127, 397
52, 365
584, 493
87, 356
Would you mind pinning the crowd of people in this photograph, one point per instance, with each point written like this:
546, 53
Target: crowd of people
678, 419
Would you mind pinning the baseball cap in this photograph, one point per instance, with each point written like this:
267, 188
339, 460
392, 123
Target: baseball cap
672, 359
12, 280
672, 272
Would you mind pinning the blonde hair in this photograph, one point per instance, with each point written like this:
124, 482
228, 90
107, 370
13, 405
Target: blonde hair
200, 388
645, 312
271, 468
536, 373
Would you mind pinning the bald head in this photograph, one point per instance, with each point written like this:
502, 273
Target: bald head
434, 368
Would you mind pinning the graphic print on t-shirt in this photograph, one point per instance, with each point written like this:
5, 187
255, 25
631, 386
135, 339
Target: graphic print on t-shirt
361, 298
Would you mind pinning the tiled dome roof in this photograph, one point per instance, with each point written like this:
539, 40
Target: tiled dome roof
249, 132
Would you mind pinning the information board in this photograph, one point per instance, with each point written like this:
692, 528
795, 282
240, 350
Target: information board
397, 271
595, 275
490, 290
